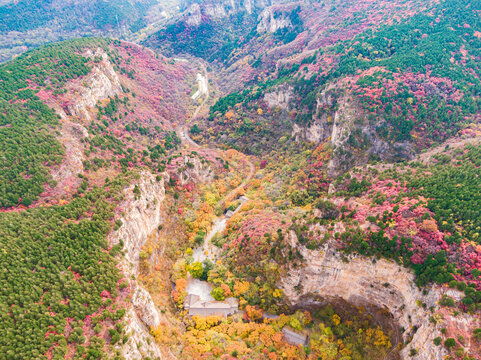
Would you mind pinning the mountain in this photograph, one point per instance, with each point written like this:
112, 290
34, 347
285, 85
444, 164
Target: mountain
310, 168
390, 92
27, 23
79, 119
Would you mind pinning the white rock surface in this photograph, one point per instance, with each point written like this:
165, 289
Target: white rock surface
139, 336
145, 308
142, 218
271, 21
279, 98
335, 119
101, 83
363, 282
220, 9
195, 170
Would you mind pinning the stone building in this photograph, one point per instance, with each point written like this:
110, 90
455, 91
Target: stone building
195, 306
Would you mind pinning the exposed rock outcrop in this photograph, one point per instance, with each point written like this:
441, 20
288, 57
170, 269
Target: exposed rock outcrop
362, 282
271, 20
193, 16
71, 137
354, 138
195, 11
142, 218
195, 170
145, 308
140, 343
280, 98
101, 83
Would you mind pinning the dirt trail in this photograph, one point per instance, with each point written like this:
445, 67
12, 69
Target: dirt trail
183, 131
207, 250
185, 137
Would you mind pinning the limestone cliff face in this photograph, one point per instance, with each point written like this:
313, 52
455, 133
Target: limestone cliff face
71, 137
142, 216
336, 119
195, 10
271, 20
101, 83
141, 219
354, 138
280, 98
144, 306
195, 170
362, 282
84, 93
193, 15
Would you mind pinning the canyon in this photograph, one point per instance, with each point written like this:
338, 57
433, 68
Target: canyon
312, 168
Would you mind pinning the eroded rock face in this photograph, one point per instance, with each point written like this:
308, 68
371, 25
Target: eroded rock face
196, 10
145, 308
361, 281
193, 16
71, 137
280, 97
339, 121
142, 218
101, 83
271, 20
194, 170
138, 336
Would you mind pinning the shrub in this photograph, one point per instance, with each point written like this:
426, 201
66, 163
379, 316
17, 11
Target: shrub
450, 343
218, 293
328, 209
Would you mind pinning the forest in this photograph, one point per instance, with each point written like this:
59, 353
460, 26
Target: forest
213, 39
27, 124
412, 81
62, 292
416, 76
27, 15
443, 47
57, 275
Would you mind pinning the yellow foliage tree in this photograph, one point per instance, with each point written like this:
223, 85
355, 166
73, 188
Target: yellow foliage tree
240, 287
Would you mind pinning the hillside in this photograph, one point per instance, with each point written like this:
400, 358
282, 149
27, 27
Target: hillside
79, 121
359, 92
29, 23
256, 180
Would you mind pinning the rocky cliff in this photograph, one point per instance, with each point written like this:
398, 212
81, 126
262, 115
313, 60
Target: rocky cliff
75, 115
338, 120
271, 20
195, 170
141, 219
363, 282
101, 83
281, 97
195, 10
227, 6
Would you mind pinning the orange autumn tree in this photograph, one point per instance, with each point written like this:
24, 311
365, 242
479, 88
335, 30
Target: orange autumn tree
179, 293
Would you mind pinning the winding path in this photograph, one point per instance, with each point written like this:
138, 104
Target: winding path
183, 131
207, 250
